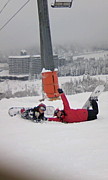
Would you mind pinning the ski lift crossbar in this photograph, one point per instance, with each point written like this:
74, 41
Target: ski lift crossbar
61, 4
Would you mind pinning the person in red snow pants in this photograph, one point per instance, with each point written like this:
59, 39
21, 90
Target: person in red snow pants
68, 115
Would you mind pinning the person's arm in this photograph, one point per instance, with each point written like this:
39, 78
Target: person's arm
64, 99
53, 119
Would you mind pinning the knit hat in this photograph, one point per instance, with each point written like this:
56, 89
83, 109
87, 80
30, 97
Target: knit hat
56, 111
42, 106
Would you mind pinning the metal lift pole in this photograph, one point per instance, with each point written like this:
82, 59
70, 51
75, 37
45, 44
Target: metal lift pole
45, 36
49, 79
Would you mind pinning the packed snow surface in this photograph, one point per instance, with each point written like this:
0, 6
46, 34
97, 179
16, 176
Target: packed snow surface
53, 150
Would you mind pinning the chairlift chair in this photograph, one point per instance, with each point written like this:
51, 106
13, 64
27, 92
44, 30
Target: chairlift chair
62, 4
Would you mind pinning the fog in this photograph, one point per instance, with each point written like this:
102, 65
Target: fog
84, 23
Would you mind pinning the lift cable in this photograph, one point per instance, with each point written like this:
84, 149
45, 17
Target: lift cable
4, 6
14, 14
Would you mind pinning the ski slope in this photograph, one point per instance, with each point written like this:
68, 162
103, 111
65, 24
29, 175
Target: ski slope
53, 150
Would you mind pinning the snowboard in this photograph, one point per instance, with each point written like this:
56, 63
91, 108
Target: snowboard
94, 95
13, 111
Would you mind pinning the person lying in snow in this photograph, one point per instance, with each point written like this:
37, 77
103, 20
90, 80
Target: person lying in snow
36, 114
68, 115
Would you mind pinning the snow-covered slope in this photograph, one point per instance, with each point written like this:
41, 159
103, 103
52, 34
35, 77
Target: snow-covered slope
52, 150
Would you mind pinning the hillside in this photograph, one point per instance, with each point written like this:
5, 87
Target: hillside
51, 150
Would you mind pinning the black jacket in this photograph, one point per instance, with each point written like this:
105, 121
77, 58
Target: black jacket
33, 114
36, 114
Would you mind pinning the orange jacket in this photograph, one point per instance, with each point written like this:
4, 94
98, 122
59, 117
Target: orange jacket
71, 115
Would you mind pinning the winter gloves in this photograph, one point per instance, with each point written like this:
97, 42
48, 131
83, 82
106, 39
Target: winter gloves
60, 91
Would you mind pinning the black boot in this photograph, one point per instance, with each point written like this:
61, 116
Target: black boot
94, 106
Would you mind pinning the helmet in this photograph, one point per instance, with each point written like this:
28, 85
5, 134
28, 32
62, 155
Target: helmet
42, 106
56, 111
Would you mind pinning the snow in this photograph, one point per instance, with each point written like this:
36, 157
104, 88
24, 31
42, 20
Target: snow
96, 55
15, 86
53, 150
19, 57
45, 70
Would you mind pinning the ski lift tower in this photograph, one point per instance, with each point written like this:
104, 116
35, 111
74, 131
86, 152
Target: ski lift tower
45, 36
49, 78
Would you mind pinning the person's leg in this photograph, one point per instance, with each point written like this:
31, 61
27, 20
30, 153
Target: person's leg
92, 113
95, 106
26, 114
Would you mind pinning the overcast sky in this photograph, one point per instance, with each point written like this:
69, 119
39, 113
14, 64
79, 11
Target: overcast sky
85, 23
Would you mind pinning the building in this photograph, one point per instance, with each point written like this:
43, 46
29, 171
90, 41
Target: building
58, 61
31, 65
19, 65
61, 61
35, 65
55, 58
